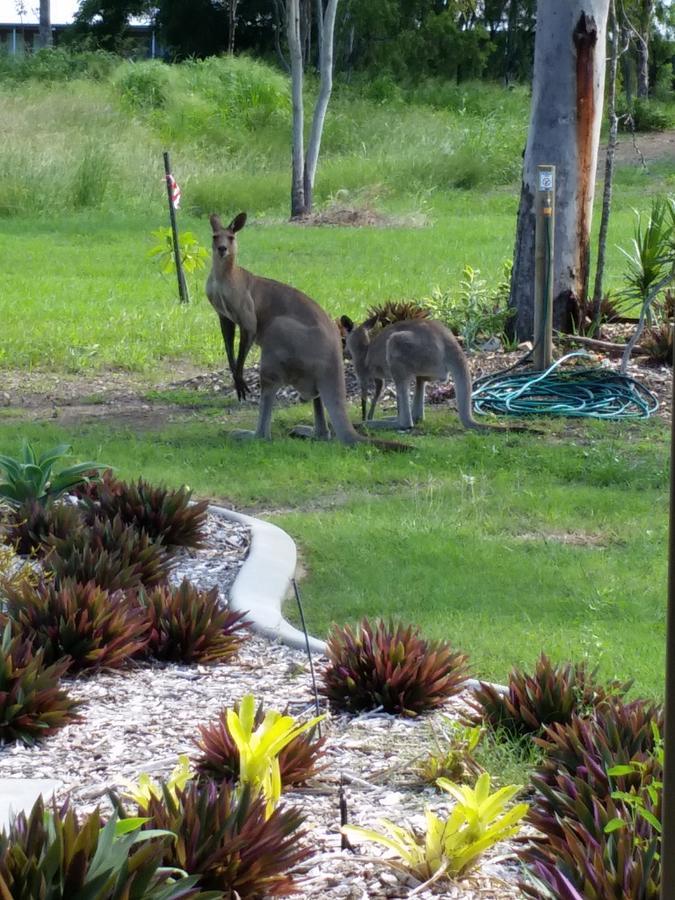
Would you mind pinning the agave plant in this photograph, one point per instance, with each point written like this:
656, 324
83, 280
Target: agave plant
452, 845
259, 746
114, 555
53, 854
85, 625
398, 311
32, 476
169, 515
188, 625
553, 693
219, 759
29, 525
225, 835
32, 703
392, 667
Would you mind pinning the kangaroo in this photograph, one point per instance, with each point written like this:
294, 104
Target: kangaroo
299, 344
422, 349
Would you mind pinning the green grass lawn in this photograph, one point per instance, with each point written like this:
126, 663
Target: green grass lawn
505, 544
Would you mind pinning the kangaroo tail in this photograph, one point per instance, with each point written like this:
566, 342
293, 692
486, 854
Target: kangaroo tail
334, 397
389, 446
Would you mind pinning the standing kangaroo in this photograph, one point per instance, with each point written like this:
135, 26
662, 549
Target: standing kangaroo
299, 344
419, 348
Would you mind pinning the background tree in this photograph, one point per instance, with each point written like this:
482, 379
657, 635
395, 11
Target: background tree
104, 23
45, 24
564, 130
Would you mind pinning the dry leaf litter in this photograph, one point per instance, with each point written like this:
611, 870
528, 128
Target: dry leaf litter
141, 719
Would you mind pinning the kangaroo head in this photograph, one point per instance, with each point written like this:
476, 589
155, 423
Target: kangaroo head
224, 237
356, 341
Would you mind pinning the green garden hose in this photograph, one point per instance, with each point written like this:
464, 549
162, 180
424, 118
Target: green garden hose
589, 392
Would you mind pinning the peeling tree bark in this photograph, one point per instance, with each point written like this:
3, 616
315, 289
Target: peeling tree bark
45, 24
564, 131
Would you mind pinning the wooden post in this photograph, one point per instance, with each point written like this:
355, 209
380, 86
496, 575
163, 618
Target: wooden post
668, 796
182, 286
543, 267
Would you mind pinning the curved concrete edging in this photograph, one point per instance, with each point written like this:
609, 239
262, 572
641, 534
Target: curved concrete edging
264, 581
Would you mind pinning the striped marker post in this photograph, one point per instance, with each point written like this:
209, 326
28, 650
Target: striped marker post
173, 194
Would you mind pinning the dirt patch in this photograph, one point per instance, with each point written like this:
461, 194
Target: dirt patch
570, 538
640, 149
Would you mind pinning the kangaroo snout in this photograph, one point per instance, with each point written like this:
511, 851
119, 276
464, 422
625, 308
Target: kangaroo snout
222, 250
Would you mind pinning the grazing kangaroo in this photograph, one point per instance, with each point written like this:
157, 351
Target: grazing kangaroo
299, 344
419, 348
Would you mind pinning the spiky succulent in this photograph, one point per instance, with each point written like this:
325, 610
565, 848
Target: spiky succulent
33, 704
189, 625
57, 855
553, 693
219, 756
88, 626
29, 525
114, 555
390, 666
398, 311
224, 835
164, 514
657, 343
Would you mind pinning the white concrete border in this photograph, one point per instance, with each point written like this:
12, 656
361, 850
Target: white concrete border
265, 580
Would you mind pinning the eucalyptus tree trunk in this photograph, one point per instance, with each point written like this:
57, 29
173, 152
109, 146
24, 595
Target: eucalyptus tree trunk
45, 24
232, 25
298, 139
609, 163
304, 167
565, 120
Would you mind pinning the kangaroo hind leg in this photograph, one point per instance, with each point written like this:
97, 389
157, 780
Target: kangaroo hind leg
320, 431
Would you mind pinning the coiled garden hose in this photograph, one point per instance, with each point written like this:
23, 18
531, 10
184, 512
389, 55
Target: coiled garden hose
588, 392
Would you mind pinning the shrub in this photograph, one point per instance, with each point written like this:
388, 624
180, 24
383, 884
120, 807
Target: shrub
390, 666
219, 759
32, 702
54, 854
188, 625
162, 513
450, 847
553, 693
144, 85
31, 477
114, 555
225, 836
83, 623
29, 525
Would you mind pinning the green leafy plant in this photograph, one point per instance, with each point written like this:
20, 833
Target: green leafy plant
224, 835
452, 756
83, 623
188, 625
30, 524
553, 693
193, 255
390, 666
259, 746
115, 555
451, 846
169, 515
31, 477
32, 703
647, 797
52, 854
474, 312
219, 758
15, 571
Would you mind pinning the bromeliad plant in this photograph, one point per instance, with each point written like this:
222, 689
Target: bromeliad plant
220, 761
451, 846
259, 746
167, 515
392, 667
553, 693
82, 623
29, 525
33, 704
53, 854
32, 476
452, 757
226, 836
188, 625
143, 790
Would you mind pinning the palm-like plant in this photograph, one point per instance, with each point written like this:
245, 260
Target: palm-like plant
32, 476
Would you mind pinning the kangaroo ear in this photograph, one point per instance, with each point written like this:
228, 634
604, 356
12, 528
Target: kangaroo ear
216, 224
346, 323
238, 222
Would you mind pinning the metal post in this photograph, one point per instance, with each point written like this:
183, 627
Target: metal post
668, 798
543, 268
182, 286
